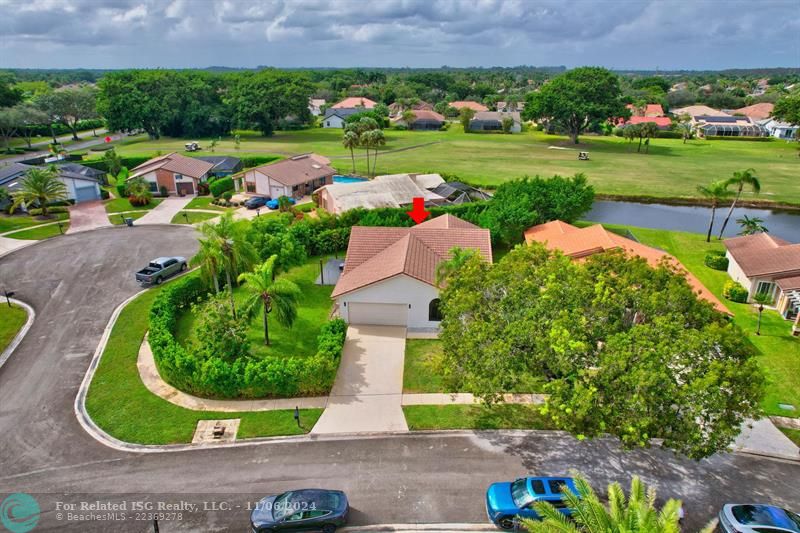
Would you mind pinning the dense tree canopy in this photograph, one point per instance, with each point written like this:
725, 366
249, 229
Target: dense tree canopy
69, 106
787, 109
622, 348
263, 98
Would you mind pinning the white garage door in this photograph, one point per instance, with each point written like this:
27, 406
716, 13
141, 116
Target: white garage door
277, 191
378, 314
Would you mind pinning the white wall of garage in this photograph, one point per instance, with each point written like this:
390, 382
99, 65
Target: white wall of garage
400, 289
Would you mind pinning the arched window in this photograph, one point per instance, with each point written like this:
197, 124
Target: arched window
434, 314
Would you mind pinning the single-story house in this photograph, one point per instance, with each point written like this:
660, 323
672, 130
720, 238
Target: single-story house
475, 106
653, 110
766, 264
493, 121
779, 130
294, 177
336, 117
739, 126
83, 183
394, 190
396, 108
510, 106
759, 111
663, 123
355, 101
579, 243
389, 275
315, 106
699, 110
423, 120
224, 165
177, 173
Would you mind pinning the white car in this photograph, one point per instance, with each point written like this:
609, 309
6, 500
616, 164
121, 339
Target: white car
757, 518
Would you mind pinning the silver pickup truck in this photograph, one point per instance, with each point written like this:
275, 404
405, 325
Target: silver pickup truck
160, 269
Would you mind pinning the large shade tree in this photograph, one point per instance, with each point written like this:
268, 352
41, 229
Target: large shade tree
70, 105
574, 100
263, 98
623, 348
266, 295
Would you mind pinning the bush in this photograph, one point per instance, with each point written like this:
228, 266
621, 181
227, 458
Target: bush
726, 138
669, 134
37, 211
258, 160
163, 191
400, 127
122, 189
734, 292
227, 195
716, 260
220, 186
104, 195
202, 189
138, 200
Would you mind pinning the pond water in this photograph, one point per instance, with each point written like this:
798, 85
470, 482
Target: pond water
346, 179
784, 224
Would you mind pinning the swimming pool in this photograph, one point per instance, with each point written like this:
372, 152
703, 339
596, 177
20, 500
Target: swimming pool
346, 179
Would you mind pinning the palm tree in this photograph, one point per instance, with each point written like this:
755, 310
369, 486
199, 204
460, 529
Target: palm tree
716, 192
762, 299
649, 130
209, 259
365, 141
265, 294
685, 129
740, 179
139, 191
39, 186
408, 117
751, 225
284, 204
374, 139
227, 239
637, 514
350, 141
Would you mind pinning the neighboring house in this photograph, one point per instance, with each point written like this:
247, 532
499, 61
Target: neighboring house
756, 111
663, 123
177, 173
765, 264
224, 165
582, 242
779, 130
510, 106
680, 86
394, 190
699, 110
295, 177
423, 120
315, 106
456, 193
389, 275
355, 101
493, 121
475, 106
739, 126
396, 108
336, 117
83, 183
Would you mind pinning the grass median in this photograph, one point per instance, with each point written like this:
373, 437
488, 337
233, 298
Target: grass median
11, 321
121, 405
478, 416
40, 232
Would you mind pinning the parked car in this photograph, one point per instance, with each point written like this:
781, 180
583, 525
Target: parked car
507, 501
160, 269
256, 202
301, 510
191, 146
273, 204
756, 517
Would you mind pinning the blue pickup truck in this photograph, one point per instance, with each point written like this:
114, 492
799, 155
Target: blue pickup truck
508, 501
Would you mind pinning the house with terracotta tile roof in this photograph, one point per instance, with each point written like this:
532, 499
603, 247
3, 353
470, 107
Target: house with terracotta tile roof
294, 177
355, 101
389, 275
766, 264
423, 120
758, 111
475, 106
580, 243
177, 173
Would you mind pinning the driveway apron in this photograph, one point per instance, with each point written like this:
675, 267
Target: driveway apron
367, 394
165, 211
87, 215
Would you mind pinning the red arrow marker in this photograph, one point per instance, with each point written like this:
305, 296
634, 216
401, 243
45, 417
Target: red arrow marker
108, 139
418, 213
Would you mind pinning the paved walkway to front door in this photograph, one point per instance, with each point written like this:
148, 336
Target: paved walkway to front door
87, 215
164, 212
368, 391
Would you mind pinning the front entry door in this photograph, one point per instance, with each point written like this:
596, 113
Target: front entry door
185, 188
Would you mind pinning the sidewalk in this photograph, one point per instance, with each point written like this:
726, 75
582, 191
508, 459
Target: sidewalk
763, 438
164, 212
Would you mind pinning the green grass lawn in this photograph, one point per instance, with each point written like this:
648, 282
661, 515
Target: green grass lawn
123, 204
299, 340
11, 321
671, 169
204, 202
193, 217
779, 352
793, 434
505, 416
118, 219
40, 232
12, 222
120, 404
422, 372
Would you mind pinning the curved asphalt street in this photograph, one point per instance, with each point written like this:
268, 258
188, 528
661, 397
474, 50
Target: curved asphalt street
74, 283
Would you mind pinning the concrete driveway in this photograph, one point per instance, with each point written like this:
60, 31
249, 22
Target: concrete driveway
87, 215
366, 396
165, 211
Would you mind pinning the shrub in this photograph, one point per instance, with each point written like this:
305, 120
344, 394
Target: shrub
716, 260
726, 138
202, 189
122, 189
220, 186
104, 195
258, 160
400, 127
734, 292
227, 195
51, 210
163, 191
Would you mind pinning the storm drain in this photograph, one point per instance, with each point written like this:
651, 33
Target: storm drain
214, 431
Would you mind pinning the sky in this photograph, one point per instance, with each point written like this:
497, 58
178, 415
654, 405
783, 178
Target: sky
633, 34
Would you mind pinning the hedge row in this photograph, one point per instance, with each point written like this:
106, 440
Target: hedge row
244, 377
716, 260
258, 160
727, 138
127, 161
61, 129
220, 186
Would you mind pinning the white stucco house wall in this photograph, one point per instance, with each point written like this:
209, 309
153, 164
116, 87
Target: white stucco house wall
389, 275
780, 130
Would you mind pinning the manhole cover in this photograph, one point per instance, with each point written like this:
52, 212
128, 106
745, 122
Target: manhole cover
786, 406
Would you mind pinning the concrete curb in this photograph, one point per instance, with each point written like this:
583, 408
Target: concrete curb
410, 528
21, 333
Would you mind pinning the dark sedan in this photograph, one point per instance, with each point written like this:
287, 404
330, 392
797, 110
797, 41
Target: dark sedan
301, 510
256, 202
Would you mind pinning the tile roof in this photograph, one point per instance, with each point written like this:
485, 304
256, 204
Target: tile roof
355, 101
699, 110
789, 283
12, 171
583, 242
342, 112
661, 122
378, 253
496, 115
756, 111
475, 106
763, 254
298, 169
424, 114
654, 110
174, 162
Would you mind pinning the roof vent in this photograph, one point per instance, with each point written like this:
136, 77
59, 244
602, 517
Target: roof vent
315, 166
